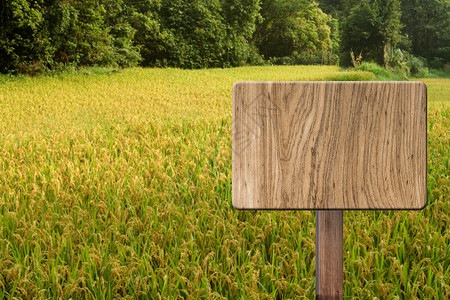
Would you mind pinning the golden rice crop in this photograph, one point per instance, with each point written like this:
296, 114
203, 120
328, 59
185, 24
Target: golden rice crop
119, 186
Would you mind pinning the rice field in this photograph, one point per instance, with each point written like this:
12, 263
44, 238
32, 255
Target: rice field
118, 185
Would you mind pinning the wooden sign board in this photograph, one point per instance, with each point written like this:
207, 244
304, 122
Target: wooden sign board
329, 145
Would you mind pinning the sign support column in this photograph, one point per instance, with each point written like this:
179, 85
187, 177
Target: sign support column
329, 255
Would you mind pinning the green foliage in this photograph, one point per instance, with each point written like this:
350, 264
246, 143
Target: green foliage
25, 46
197, 32
57, 34
47, 35
416, 66
125, 54
406, 64
150, 38
87, 33
241, 18
377, 70
427, 25
360, 32
389, 27
292, 28
332, 7
438, 73
51, 35
373, 29
332, 56
86, 40
379, 27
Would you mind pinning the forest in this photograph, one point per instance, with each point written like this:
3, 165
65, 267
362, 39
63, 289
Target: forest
47, 35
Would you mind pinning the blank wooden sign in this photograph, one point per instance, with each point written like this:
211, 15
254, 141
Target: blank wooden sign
329, 145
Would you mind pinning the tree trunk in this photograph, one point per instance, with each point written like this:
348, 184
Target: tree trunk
385, 55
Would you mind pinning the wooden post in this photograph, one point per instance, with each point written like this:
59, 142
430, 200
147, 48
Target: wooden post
329, 255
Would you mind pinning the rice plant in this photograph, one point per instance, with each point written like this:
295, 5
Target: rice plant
119, 186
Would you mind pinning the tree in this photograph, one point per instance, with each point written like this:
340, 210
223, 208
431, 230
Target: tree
240, 18
80, 35
334, 8
427, 25
51, 34
195, 34
389, 26
152, 40
289, 27
198, 33
24, 41
373, 28
116, 22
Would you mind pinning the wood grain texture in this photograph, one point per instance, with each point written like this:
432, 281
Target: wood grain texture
329, 255
329, 145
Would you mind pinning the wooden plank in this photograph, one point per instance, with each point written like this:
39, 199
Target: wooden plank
329, 255
329, 145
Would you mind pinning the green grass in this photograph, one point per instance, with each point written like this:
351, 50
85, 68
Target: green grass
119, 185
439, 73
380, 72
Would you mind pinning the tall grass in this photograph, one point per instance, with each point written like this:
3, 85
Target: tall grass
119, 186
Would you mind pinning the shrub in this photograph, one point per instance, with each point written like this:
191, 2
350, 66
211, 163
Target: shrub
376, 69
382, 73
416, 65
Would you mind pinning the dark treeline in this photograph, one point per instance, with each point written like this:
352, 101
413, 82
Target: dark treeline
42, 35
